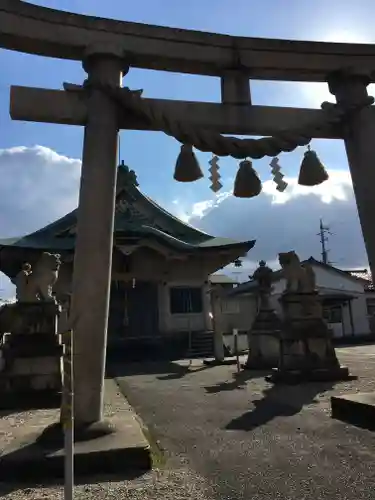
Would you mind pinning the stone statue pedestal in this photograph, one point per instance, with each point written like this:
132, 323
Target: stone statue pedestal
32, 351
264, 340
306, 350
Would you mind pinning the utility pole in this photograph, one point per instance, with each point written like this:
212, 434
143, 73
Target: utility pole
323, 233
1, 290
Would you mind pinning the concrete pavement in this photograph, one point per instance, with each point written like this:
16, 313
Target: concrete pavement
250, 439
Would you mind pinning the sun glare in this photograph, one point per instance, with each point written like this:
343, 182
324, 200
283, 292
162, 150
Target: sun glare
346, 36
316, 93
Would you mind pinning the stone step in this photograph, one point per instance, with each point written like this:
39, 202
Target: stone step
202, 345
33, 351
334, 373
37, 453
356, 409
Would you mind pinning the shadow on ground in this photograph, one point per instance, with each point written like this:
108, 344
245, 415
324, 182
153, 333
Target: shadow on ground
239, 381
279, 401
16, 402
166, 370
47, 471
11, 411
356, 341
184, 370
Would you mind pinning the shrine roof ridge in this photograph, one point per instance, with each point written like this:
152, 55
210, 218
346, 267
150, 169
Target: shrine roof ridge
209, 244
59, 235
32, 29
68, 243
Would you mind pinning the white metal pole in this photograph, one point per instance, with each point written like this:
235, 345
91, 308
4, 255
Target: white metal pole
190, 307
67, 416
190, 342
235, 344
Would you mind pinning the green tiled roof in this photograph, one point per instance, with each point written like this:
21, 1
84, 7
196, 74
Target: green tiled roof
35, 242
137, 215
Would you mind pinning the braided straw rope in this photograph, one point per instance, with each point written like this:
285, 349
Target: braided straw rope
209, 141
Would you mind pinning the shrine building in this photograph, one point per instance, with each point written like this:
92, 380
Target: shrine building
160, 290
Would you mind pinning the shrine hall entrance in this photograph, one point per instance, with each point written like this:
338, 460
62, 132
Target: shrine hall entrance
133, 311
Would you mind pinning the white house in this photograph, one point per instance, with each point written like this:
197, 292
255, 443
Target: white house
366, 278
347, 302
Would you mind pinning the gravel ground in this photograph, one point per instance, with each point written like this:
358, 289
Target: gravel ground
173, 481
250, 439
225, 440
173, 484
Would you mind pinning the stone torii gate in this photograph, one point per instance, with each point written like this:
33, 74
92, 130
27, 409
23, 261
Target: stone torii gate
107, 50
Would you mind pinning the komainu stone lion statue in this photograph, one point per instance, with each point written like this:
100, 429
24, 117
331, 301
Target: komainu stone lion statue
299, 277
36, 284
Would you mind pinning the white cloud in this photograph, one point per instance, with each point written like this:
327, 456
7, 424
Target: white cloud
286, 221
199, 209
37, 187
336, 188
290, 221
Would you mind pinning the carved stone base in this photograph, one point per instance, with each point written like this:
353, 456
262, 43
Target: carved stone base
264, 350
301, 306
307, 347
10, 382
32, 352
30, 346
33, 317
31, 366
264, 341
307, 353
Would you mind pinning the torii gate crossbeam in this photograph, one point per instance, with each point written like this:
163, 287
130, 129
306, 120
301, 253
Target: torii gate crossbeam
69, 108
52, 33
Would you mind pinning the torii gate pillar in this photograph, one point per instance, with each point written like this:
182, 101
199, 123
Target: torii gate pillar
94, 235
358, 132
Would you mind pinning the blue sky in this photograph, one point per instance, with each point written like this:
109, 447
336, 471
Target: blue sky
153, 155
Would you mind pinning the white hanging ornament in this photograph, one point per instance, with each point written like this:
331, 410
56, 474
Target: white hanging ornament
215, 176
278, 177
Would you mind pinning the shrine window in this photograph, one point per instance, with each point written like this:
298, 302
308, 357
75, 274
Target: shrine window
185, 300
333, 314
230, 306
371, 306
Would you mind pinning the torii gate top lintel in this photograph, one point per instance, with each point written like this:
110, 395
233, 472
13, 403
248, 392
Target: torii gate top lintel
32, 29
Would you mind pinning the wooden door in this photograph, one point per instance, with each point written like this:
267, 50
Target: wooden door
117, 311
133, 311
143, 310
